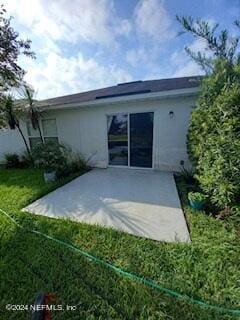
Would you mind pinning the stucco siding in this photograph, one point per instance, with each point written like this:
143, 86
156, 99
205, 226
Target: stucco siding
85, 130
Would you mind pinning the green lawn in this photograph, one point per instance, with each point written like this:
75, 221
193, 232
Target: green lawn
207, 269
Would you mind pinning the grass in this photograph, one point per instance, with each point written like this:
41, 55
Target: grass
207, 269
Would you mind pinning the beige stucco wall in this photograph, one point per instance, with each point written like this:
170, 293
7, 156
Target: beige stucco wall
85, 130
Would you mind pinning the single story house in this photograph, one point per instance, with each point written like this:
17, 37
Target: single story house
140, 124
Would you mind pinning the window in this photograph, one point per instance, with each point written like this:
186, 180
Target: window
34, 136
48, 129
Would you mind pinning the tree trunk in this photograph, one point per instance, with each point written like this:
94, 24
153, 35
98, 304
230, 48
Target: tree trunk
25, 141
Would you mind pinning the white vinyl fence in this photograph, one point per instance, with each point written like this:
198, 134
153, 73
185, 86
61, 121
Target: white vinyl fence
10, 142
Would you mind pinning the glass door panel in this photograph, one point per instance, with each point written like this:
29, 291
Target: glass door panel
118, 139
141, 139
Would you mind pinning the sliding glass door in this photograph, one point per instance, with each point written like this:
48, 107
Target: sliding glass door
130, 139
141, 139
118, 139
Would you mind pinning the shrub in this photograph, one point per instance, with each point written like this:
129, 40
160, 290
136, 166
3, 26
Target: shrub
26, 160
214, 136
12, 160
197, 196
187, 175
50, 156
75, 163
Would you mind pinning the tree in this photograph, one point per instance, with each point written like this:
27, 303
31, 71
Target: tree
214, 130
29, 105
11, 46
10, 117
12, 110
214, 143
221, 45
11, 76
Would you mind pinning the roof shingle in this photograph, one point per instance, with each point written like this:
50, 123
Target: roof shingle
128, 88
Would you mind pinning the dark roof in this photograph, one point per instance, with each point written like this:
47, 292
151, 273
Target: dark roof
127, 88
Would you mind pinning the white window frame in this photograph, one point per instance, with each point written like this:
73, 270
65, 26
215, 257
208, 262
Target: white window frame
41, 128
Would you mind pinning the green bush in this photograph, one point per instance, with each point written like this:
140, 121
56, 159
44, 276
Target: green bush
75, 163
12, 160
187, 175
50, 156
26, 160
214, 136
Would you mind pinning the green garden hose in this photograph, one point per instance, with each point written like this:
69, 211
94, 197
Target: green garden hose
148, 282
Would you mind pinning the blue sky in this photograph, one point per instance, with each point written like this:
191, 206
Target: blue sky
88, 44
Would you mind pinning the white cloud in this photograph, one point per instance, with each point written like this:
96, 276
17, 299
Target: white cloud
190, 68
153, 20
71, 21
124, 27
56, 27
58, 75
184, 65
57, 70
136, 56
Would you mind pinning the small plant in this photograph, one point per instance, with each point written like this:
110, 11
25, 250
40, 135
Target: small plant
197, 200
12, 160
75, 163
26, 160
197, 196
78, 163
187, 174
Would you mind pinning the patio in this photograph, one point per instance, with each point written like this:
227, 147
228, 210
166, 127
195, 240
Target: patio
141, 202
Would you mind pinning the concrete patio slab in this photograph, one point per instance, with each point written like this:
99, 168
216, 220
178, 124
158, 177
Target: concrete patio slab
141, 202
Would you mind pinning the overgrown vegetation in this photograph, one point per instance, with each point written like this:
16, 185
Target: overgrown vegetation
214, 132
208, 269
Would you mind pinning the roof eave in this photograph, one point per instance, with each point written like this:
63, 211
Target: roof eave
124, 99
